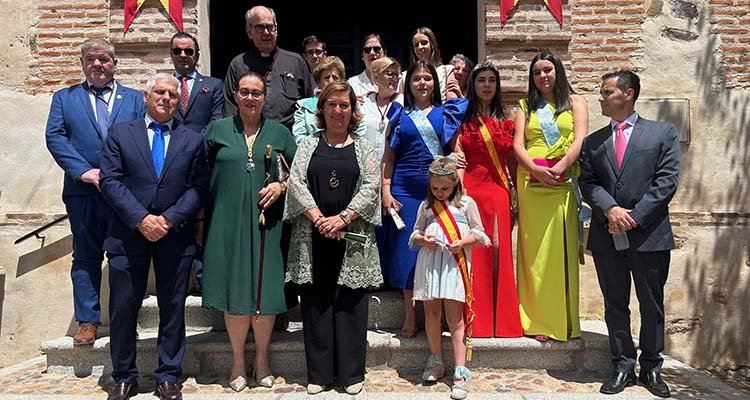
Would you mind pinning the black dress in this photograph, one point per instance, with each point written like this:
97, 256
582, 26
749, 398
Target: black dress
334, 316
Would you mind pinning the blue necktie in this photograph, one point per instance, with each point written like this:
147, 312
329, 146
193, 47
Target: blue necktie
102, 108
157, 147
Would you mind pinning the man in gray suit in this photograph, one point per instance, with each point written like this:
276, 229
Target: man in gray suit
629, 174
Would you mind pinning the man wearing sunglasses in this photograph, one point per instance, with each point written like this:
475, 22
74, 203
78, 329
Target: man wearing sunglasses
201, 97
286, 74
201, 101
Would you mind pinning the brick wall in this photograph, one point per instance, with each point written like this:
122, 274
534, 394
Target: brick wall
61, 27
730, 20
55, 44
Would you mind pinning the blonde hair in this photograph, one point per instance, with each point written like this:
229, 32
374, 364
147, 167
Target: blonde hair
382, 63
330, 62
445, 168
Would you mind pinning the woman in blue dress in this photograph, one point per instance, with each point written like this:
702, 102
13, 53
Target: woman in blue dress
424, 130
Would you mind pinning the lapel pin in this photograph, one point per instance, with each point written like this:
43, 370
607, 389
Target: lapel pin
119, 97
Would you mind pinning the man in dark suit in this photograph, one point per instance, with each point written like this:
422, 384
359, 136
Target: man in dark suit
79, 118
155, 176
201, 97
629, 174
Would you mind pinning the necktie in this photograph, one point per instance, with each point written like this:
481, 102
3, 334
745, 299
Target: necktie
184, 93
102, 108
157, 147
620, 142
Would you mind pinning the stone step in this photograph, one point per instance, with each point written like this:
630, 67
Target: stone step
208, 353
385, 312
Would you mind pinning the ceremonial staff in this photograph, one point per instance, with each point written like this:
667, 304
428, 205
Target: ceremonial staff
262, 227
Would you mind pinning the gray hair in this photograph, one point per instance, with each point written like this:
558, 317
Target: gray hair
460, 57
161, 76
251, 11
97, 44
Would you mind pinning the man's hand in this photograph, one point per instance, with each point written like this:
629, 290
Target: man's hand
153, 227
91, 176
620, 220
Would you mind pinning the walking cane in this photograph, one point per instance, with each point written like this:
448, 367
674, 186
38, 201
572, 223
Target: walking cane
262, 228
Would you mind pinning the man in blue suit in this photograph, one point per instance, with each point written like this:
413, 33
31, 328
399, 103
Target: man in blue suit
201, 99
155, 176
629, 174
77, 126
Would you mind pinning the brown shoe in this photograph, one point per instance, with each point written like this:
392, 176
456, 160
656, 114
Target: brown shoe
123, 391
86, 334
168, 391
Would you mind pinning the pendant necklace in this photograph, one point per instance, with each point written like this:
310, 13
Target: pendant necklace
249, 140
381, 125
333, 181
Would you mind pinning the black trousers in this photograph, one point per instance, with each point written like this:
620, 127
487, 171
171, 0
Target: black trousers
128, 276
334, 319
649, 271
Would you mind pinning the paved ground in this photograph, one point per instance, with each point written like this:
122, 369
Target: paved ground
29, 380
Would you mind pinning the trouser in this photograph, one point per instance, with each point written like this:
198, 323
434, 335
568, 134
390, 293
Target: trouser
128, 276
649, 271
89, 217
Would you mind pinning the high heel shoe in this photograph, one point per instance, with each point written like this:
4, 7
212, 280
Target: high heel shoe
238, 384
264, 381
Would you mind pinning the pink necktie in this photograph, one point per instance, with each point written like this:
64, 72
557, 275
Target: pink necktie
184, 93
620, 142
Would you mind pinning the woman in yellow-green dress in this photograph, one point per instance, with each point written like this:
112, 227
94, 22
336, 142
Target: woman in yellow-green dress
547, 146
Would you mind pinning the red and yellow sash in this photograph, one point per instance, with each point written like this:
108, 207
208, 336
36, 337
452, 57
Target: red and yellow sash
487, 138
450, 229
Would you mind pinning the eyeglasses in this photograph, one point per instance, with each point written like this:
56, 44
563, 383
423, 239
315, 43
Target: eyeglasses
260, 28
375, 49
188, 52
245, 93
389, 74
314, 52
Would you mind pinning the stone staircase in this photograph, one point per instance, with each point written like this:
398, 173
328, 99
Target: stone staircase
208, 352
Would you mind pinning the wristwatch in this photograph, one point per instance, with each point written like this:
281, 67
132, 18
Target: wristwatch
345, 216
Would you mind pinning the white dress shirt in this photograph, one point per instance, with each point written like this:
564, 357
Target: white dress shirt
150, 133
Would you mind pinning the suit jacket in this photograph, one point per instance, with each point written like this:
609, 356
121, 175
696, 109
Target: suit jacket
646, 183
204, 105
73, 136
130, 185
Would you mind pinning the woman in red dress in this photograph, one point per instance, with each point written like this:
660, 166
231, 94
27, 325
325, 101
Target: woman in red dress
487, 143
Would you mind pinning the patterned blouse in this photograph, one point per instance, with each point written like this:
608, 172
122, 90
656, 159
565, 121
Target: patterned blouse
361, 268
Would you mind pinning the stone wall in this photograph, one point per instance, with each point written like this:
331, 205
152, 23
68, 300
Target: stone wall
683, 49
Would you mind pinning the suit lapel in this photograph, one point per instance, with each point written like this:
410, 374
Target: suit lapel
632, 143
609, 148
117, 98
83, 95
140, 137
176, 142
197, 86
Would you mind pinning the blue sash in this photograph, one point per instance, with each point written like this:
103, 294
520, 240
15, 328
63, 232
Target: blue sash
547, 122
427, 132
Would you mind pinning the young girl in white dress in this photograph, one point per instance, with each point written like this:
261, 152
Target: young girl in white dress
438, 278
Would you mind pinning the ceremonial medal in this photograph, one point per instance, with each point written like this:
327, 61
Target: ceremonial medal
381, 125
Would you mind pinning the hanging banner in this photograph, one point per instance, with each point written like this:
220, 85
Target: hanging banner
554, 6
173, 7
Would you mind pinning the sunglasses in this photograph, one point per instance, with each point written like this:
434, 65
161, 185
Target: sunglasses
245, 93
369, 49
188, 52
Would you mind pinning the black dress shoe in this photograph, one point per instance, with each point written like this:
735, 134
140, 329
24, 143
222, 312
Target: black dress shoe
653, 382
123, 391
168, 391
618, 383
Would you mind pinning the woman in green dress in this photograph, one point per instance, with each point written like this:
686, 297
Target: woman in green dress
233, 280
547, 146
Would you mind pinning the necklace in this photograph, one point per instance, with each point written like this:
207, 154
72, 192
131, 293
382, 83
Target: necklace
381, 125
333, 181
250, 140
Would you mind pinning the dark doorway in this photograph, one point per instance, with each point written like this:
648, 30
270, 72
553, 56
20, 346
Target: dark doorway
342, 28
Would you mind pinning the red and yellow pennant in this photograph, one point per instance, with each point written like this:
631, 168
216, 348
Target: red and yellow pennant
450, 229
554, 6
173, 7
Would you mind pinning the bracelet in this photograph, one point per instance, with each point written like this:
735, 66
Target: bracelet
344, 219
284, 186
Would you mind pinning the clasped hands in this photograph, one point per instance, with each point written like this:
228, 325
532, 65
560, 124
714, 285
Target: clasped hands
154, 227
620, 220
330, 227
548, 176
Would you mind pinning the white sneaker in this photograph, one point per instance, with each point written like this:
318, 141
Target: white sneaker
314, 389
434, 369
354, 389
